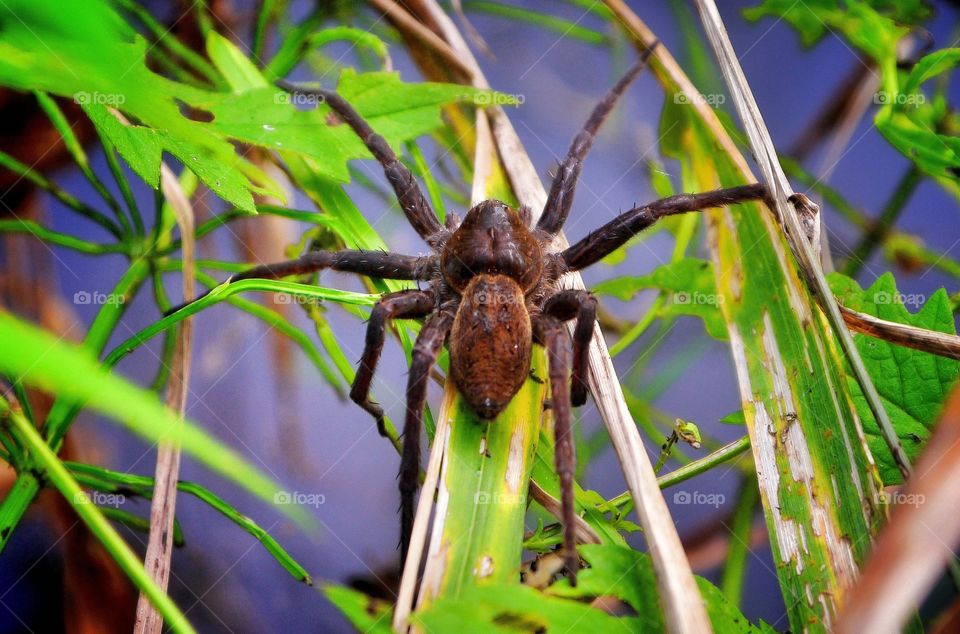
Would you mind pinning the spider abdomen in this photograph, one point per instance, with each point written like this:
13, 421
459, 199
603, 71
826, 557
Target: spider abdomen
490, 344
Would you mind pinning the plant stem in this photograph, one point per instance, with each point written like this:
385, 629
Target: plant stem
46, 460
641, 326
62, 413
695, 468
75, 148
54, 190
61, 239
173, 44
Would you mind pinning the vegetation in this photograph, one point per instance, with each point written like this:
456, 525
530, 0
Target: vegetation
203, 114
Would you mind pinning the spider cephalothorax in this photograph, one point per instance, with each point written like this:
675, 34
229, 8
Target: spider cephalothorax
492, 292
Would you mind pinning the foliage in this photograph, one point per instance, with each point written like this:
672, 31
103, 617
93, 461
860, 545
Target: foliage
913, 122
913, 384
213, 116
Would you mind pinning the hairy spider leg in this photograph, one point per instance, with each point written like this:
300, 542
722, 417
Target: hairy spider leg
602, 242
550, 332
412, 201
560, 199
400, 305
379, 264
425, 351
582, 305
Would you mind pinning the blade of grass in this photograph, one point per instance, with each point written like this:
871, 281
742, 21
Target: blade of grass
61, 239
116, 482
809, 263
26, 486
70, 141
485, 466
39, 359
70, 201
564, 28
54, 470
678, 590
137, 523
789, 370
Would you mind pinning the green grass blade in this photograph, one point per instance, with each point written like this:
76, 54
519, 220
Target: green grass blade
54, 470
60, 239
483, 492
39, 359
114, 481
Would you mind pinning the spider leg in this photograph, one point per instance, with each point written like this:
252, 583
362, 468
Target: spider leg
424, 356
381, 264
412, 201
399, 305
600, 243
581, 304
550, 331
565, 182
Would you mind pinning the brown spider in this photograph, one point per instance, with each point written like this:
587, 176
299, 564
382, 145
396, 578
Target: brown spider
492, 294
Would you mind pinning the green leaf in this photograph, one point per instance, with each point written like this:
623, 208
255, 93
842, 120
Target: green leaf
513, 608
911, 121
366, 614
734, 418
268, 117
911, 383
103, 63
871, 26
628, 575
590, 505
930, 66
37, 358
141, 147
35, 43
692, 283
233, 64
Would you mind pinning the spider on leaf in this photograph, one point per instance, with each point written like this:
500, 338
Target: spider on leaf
492, 293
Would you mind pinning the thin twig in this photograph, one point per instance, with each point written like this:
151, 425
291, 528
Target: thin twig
418, 536
167, 471
939, 343
880, 228
409, 25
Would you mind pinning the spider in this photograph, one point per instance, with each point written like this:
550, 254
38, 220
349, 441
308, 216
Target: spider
492, 293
